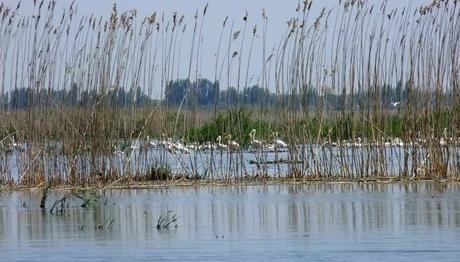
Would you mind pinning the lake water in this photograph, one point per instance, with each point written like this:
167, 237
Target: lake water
319, 222
311, 160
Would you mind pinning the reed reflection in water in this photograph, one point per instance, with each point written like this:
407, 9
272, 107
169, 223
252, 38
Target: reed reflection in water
358, 222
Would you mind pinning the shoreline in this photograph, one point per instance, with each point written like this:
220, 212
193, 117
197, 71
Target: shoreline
222, 183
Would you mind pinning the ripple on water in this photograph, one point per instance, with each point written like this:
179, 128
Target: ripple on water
349, 222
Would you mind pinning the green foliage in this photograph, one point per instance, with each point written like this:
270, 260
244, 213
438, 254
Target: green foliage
395, 125
160, 173
239, 123
440, 120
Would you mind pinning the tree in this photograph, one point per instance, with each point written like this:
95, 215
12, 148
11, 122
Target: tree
175, 92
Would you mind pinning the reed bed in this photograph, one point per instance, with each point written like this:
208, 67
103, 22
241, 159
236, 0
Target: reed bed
359, 91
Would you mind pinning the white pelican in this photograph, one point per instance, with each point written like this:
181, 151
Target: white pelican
163, 143
398, 142
444, 133
358, 142
257, 144
219, 144
120, 153
135, 145
193, 146
153, 144
232, 145
278, 142
443, 142
16, 146
206, 146
170, 146
270, 148
182, 148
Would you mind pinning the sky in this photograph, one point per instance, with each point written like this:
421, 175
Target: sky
278, 12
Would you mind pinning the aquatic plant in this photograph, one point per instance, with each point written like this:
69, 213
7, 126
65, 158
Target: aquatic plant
59, 207
167, 220
237, 122
107, 225
88, 197
45, 193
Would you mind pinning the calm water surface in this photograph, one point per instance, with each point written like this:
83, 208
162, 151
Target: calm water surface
341, 222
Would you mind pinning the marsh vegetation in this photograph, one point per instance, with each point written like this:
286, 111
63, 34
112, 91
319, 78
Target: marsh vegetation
361, 91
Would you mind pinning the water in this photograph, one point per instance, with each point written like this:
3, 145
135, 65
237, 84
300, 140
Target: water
321, 222
329, 161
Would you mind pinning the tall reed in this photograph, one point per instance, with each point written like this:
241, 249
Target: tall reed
359, 90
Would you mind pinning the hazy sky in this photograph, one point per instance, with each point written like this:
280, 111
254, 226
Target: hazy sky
278, 12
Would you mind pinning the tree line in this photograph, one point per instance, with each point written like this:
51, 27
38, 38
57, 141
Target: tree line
204, 93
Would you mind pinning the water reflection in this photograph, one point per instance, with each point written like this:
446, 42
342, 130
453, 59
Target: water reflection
314, 159
293, 219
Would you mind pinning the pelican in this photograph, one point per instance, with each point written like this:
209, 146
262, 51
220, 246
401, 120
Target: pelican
206, 146
270, 148
170, 146
278, 142
219, 144
444, 133
193, 146
398, 142
444, 139
182, 148
163, 142
135, 146
385, 142
232, 145
153, 144
358, 143
119, 152
257, 144
15, 145
443, 142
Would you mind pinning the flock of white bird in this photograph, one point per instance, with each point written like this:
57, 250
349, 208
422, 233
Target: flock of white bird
443, 141
222, 143
396, 142
227, 144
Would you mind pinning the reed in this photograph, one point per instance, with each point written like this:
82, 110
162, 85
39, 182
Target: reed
356, 91
167, 220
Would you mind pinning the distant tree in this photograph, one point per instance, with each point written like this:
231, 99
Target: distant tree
207, 92
229, 96
175, 92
